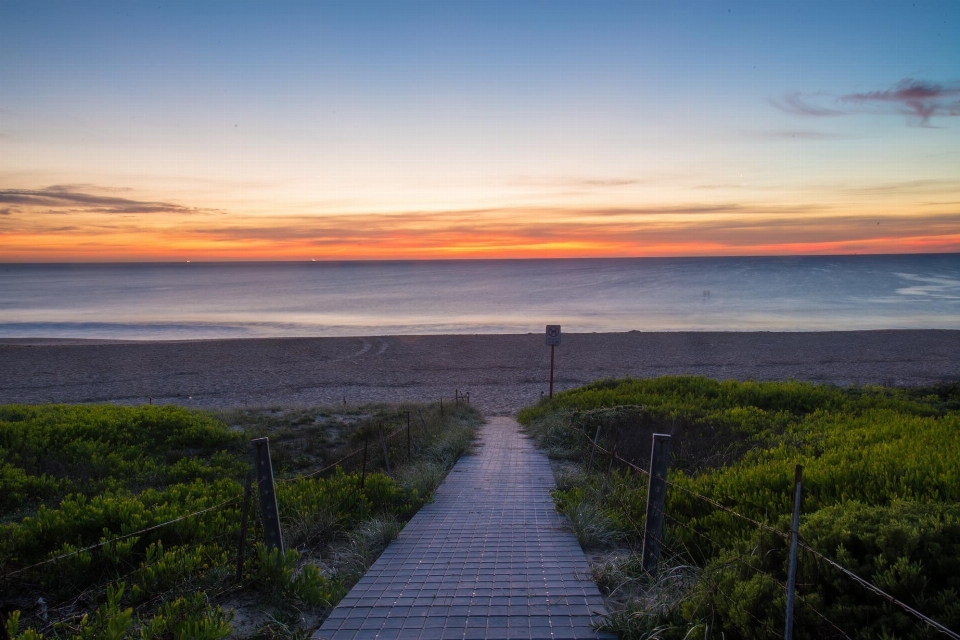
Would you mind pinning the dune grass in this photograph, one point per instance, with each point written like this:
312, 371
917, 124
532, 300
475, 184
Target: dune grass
881, 497
77, 476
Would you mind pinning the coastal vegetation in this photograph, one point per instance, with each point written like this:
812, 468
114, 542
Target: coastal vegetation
120, 522
881, 499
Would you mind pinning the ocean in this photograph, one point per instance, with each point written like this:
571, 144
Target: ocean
179, 301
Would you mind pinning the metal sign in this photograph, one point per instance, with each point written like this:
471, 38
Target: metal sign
553, 335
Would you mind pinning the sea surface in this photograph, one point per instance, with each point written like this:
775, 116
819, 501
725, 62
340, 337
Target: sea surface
177, 301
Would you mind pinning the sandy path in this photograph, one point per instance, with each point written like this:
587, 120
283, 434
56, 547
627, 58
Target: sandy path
502, 372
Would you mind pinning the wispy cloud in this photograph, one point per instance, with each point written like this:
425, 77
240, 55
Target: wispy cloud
919, 100
67, 199
800, 134
910, 186
922, 100
578, 182
805, 105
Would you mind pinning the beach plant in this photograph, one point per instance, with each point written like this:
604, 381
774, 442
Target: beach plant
117, 510
881, 495
586, 515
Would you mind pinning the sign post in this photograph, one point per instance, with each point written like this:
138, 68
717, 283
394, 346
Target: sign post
553, 340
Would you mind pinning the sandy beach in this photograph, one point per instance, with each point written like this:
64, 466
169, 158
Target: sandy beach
503, 373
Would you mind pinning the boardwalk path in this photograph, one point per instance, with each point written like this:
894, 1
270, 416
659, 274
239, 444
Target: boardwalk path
490, 558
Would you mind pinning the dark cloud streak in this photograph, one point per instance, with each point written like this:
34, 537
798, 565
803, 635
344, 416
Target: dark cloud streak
918, 99
922, 100
797, 104
65, 197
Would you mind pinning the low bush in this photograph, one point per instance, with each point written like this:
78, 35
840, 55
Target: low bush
881, 495
126, 520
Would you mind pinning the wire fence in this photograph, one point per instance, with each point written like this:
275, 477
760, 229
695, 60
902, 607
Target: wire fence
383, 446
613, 457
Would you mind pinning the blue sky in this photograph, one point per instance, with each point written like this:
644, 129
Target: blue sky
298, 130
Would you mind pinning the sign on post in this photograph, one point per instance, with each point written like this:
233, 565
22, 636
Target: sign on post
553, 340
553, 335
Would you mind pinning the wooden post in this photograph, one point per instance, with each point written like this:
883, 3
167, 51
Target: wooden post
244, 510
408, 434
363, 466
468, 398
551, 369
792, 568
383, 445
268, 497
613, 450
594, 449
656, 495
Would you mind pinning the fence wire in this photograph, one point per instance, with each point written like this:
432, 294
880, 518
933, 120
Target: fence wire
850, 574
103, 543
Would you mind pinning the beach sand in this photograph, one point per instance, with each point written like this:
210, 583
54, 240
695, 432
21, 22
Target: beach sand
503, 373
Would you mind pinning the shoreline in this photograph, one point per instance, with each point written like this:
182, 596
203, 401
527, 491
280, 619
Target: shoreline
56, 341
503, 372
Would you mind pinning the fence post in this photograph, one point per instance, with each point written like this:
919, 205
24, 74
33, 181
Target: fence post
363, 467
656, 495
268, 496
613, 450
247, 491
593, 450
383, 445
792, 569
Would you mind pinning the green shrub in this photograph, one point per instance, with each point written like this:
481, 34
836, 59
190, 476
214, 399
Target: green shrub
80, 477
881, 495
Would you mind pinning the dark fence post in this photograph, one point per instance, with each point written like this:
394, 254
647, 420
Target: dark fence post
613, 450
792, 569
244, 510
593, 451
656, 495
363, 467
268, 496
383, 445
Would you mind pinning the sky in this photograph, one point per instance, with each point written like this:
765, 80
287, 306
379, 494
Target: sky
168, 131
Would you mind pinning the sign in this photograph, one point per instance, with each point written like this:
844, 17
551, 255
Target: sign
553, 335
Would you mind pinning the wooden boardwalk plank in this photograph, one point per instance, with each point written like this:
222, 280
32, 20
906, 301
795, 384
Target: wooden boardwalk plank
489, 558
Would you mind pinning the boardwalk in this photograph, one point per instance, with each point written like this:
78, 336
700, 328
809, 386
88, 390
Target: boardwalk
490, 558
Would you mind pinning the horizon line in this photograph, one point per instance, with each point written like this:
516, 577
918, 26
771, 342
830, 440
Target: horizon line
523, 259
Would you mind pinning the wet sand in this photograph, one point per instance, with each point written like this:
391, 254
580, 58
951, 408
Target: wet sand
503, 373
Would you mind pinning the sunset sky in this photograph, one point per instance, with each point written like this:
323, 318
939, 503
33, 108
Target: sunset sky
297, 131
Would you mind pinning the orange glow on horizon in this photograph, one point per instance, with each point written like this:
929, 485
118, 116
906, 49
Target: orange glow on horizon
55, 228
123, 248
